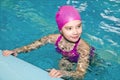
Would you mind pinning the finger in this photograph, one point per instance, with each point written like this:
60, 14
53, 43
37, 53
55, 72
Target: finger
5, 53
57, 74
52, 72
15, 54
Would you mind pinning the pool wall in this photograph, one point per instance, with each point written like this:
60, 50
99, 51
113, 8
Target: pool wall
12, 68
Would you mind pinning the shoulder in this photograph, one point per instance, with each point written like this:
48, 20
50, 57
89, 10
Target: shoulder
83, 43
83, 46
53, 37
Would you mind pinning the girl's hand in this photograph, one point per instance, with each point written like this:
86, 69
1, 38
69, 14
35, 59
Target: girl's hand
9, 52
55, 73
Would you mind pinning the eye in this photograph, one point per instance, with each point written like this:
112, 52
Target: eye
68, 28
79, 26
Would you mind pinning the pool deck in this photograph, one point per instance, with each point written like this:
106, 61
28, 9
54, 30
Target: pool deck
13, 68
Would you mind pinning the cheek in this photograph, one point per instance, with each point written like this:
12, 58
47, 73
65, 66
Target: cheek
80, 30
63, 33
66, 34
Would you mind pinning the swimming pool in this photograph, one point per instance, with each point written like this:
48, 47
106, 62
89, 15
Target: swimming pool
23, 21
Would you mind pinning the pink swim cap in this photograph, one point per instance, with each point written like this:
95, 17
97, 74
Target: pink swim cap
65, 15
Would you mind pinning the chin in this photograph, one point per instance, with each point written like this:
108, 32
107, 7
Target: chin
74, 40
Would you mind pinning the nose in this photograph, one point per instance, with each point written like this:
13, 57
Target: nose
75, 31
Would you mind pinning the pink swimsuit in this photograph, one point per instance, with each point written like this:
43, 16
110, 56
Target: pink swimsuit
72, 55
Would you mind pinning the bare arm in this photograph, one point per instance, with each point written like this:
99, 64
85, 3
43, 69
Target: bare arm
83, 61
38, 43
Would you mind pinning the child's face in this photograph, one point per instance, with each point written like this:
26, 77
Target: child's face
72, 30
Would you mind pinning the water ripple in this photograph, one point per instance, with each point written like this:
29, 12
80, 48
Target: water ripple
117, 1
112, 52
112, 18
94, 38
109, 28
82, 7
113, 43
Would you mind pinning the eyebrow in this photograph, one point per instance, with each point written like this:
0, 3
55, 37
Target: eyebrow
71, 26
79, 24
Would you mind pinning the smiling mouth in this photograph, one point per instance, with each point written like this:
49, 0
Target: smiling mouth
76, 37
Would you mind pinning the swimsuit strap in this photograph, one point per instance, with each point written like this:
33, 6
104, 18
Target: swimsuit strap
73, 50
59, 38
76, 44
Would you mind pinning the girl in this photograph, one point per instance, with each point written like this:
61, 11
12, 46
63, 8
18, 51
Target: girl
75, 51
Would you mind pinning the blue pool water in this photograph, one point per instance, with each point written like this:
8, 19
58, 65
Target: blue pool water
23, 21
